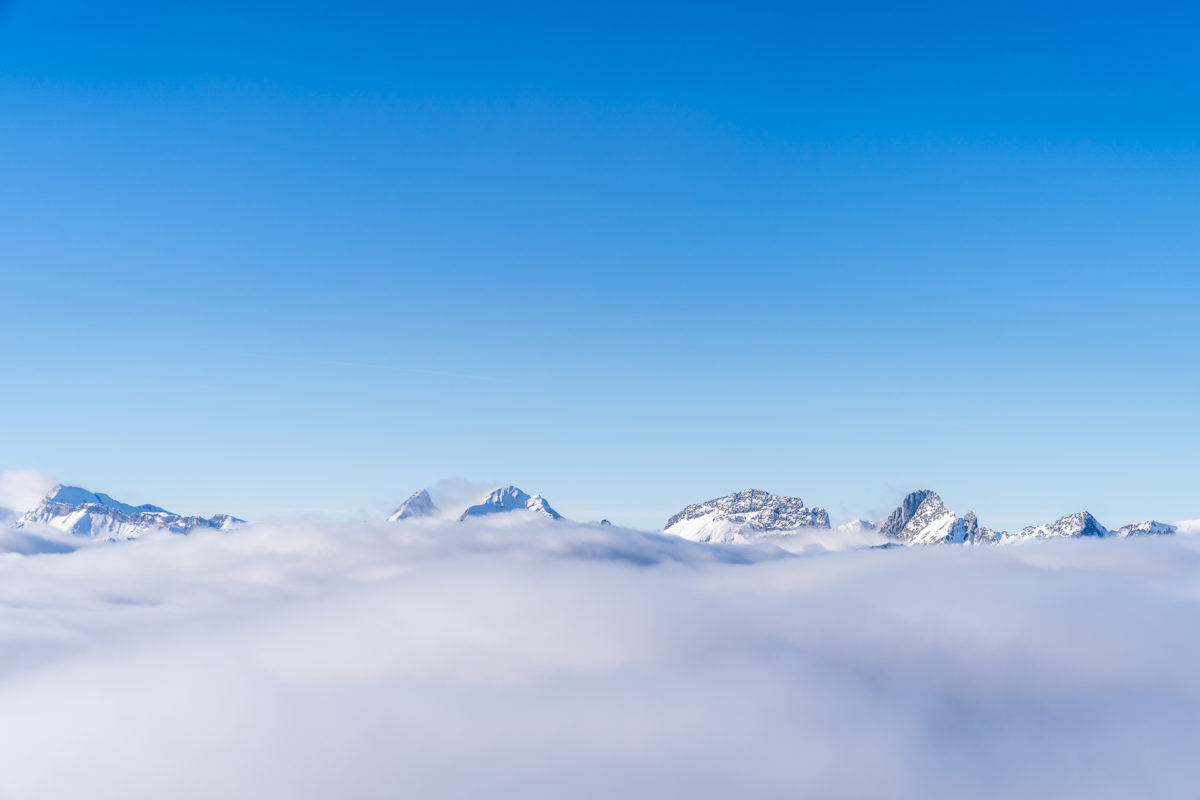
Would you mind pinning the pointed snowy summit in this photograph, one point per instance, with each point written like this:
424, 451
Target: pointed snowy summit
1078, 524
745, 515
510, 498
420, 504
922, 518
76, 510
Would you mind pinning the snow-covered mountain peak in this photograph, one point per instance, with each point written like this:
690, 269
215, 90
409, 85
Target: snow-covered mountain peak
922, 518
510, 498
420, 504
539, 504
78, 511
744, 515
1081, 523
1148, 528
858, 525
77, 495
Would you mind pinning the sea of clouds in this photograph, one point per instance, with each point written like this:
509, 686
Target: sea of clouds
519, 657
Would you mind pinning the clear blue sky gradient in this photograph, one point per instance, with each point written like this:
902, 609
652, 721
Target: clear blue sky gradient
276, 257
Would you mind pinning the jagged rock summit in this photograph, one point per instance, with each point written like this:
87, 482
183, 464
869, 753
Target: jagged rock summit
510, 498
420, 504
743, 516
77, 511
922, 518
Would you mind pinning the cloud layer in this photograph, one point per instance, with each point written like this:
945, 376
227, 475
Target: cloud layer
521, 658
21, 490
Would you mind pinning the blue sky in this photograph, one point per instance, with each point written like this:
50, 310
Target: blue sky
267, 258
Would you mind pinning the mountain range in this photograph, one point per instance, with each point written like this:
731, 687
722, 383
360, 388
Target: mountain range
921, 519
753, 515
747, 516
77, 511
501, 500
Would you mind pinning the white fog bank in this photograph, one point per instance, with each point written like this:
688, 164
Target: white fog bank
526, 658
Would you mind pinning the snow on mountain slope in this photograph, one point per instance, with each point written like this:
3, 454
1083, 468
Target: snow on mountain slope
745, 515
420, 504
1080, 523
510, 498
77, 511
1077, 525
1147, 528
78, 496
922, 518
